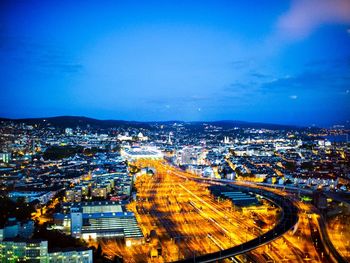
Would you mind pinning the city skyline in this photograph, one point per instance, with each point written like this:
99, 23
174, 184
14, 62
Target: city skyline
282, 62
91, 191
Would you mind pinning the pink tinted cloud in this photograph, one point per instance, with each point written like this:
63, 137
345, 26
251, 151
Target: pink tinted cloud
304, 16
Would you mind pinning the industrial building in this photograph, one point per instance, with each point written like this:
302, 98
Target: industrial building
238, 198
91, 220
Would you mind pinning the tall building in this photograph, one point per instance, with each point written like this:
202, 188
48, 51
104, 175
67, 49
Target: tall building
226, 140
169, 138
76, 223
5, 157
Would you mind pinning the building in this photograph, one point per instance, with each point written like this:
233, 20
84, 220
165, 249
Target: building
76, 223
18, 250
36, 251
141, 137
30, 196
238, 198
13, 228
91, 220
5, 157
75, 255
73, 195
100, 190
68, 131
125, 137
190, 155
226, 140
142, 152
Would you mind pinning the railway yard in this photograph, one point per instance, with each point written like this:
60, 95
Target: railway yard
180, 218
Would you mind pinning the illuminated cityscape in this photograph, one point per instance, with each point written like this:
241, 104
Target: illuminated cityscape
137, 194
155, 131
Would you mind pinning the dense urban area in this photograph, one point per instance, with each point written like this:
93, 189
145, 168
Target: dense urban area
75, 189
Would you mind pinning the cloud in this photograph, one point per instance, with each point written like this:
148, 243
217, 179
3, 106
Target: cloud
240, 63
304, 16
258, 75
329, 64
236, 86
171, 102
308, 80
44, 56
293, 97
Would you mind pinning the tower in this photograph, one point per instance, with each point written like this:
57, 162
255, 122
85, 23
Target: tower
226, 140
33, 146
169, 138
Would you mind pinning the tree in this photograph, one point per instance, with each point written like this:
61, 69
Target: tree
56, 238
60, 152
19, 209
290, 166
118, 259
307, 166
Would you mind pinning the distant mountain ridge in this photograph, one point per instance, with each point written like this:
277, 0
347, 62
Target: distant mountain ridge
73, 121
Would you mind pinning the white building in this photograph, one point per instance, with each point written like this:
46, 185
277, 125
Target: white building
71, 256
91, 220
5, 157
42, 197
142, 152
68, 131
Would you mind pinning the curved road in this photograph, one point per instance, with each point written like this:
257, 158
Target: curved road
337, 256
288, 220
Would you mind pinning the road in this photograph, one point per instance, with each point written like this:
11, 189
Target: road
338, 229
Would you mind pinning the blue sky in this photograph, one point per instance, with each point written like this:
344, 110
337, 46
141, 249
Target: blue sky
278, 62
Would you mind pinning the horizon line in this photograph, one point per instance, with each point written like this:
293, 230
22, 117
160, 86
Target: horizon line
170, 120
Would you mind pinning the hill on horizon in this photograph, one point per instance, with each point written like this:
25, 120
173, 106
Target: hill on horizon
73, 121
